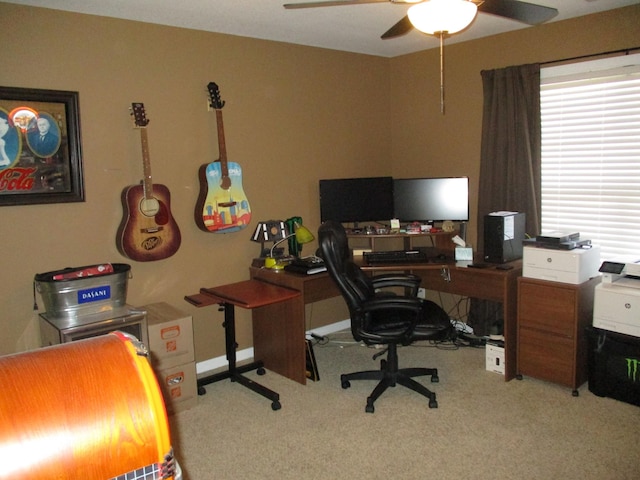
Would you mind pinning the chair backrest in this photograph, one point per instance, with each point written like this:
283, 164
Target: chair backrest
352, 282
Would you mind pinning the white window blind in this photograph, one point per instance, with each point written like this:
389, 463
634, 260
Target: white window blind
591, 153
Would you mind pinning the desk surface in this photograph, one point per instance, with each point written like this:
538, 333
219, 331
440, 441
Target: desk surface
246, 294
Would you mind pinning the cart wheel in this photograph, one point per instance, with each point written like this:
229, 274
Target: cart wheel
276, 406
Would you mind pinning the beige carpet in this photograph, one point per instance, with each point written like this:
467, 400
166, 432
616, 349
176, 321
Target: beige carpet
484, 428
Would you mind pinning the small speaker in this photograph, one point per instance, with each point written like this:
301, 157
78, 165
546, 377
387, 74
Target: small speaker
503, 236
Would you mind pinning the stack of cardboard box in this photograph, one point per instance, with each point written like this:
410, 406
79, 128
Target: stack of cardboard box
172, 355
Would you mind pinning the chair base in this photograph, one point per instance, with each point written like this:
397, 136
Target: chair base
389, 375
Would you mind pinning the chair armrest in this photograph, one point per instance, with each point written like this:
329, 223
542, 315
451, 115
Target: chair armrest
406, 280
396, 302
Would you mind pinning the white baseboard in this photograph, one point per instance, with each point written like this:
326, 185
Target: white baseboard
212, 364
329, 329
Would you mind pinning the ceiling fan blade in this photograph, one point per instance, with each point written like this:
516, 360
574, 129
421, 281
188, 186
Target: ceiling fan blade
522, 11
336, 3
403, 27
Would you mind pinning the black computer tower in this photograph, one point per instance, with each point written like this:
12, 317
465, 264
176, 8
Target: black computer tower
503, 236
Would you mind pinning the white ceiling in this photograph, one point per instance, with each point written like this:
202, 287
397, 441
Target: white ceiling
355, 28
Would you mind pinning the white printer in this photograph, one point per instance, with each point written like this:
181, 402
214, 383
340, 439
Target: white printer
617, 299
567, 266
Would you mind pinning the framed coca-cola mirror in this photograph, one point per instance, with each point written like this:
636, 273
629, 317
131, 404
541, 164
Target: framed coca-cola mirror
40, 150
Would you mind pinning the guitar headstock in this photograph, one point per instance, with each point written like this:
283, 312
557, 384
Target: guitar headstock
214, 96
139, 116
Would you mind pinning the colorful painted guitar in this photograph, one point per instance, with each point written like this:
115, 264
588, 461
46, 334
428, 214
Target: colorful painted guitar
222, 205
148, 230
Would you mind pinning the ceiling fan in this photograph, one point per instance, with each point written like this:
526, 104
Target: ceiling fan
528, 13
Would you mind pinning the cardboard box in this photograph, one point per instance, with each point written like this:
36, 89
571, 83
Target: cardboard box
170, 335
494, 358
179, 387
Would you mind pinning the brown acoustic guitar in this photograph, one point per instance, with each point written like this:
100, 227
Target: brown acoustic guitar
148, 230
89, 409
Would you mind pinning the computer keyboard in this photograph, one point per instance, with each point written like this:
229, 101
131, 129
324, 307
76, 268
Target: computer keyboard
392, 257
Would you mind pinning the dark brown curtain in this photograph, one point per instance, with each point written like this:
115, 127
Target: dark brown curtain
510, 150
509, 163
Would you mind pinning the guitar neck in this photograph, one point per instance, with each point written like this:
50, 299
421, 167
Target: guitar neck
152, 472
222, 147
146, 165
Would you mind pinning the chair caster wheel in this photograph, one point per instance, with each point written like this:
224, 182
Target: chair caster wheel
201, 391
435, 379
433, 404
346, 384
261, 371
276, 406
369, 408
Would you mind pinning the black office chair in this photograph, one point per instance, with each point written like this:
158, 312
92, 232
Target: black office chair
381, 318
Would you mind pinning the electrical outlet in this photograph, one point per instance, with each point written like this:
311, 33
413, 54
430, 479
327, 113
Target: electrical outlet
422, 293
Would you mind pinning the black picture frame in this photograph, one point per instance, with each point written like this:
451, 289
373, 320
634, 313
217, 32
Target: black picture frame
40, 147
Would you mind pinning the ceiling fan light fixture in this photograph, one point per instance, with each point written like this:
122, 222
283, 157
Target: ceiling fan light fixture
447, 16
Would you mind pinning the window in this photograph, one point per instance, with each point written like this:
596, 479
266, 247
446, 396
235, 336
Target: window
591, 152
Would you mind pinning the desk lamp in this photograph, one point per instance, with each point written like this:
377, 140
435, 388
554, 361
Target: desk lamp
269, 231
303, 235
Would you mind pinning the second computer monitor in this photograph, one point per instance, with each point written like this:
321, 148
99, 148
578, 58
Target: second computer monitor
431, 199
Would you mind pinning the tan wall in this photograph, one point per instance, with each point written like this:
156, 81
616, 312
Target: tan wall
293, 115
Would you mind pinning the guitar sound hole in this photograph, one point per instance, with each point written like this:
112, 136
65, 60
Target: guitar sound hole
225, 183
149, 207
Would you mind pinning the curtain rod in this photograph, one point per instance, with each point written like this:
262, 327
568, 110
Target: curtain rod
625, 51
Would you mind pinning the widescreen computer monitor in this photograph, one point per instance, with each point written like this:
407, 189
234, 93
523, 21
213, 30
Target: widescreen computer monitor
356, 199
431, 199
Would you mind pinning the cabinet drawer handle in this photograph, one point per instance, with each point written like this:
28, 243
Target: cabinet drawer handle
445, 274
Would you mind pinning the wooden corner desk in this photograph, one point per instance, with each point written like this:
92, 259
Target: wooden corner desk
279, 323
279, 329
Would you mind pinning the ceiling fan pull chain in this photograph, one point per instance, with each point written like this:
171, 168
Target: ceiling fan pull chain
442, 73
